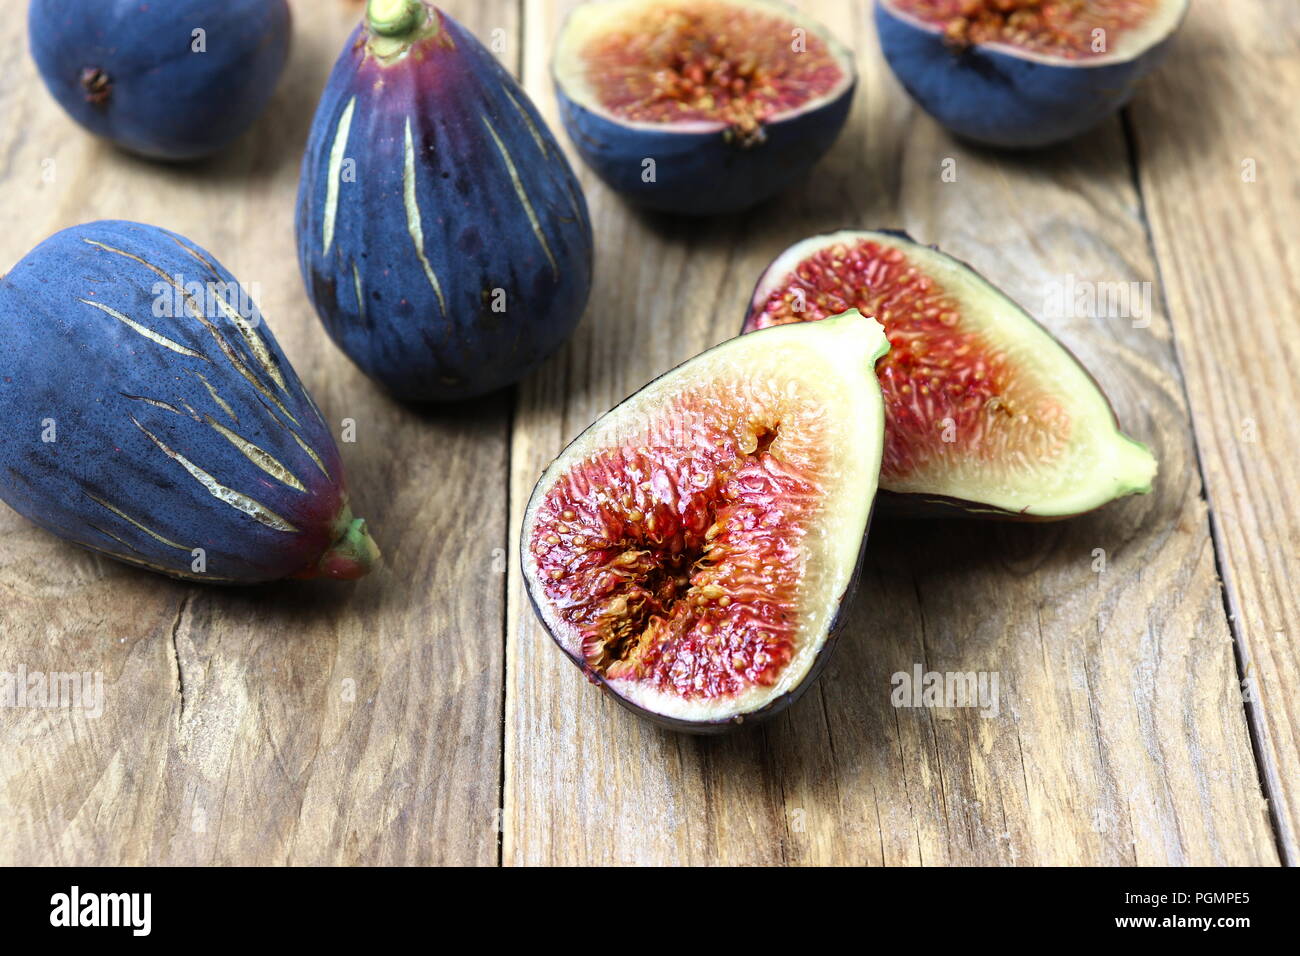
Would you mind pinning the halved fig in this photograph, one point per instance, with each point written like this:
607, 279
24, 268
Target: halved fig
986, 412
692, 550
1024, 73
700, 107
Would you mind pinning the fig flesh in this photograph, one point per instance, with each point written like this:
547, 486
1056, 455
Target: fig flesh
1024, 73
692, 550
700, 107
986, 411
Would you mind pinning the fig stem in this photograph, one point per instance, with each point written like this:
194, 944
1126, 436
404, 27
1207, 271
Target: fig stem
395, 18
351, 556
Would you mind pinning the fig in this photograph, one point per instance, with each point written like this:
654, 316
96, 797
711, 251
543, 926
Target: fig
175, 80
985, 411
147, 413
692, 550
700, 107
442, 235
1024, 73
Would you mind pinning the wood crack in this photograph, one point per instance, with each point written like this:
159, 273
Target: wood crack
1252, 718
176, 655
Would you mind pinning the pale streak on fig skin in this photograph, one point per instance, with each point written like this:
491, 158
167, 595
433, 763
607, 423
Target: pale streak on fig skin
541, 143
204, 260
127, 518
138, 382
414, 224
307, 449
311, 453
154, 402
528, 121
256, 344
225, 406
146, 332
157, 568
258, 456
356, 287
337, 151
108, 534
226, 348
522, 194
235, 499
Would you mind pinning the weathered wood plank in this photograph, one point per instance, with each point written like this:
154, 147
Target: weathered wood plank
1120, 736
1216, 140
307, 724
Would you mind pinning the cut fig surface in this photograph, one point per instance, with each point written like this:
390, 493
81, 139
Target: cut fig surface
985, 410
692, 549
1083, 30
1024, 74
702, 63
700, 107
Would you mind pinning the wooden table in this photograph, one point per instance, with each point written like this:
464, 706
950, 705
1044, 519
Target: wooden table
1148, 711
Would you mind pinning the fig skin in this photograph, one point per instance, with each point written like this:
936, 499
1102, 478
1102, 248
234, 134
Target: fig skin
914, 505
777, 704
706, 173
126, 70
992, 95
457, 255
139, 430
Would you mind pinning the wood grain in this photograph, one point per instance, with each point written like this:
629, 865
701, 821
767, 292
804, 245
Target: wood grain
1121, 737
304, 723
365, 724
1216, 135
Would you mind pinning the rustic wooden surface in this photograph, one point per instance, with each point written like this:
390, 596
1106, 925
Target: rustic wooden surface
421, 716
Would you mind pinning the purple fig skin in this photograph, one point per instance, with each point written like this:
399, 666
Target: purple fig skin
133, 72
147, 413
998, 96
708, 173
442, 236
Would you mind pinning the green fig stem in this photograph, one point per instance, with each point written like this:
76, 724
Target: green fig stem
397, 25
353, 553
395, 18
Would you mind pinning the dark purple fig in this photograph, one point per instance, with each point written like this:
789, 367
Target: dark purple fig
1024, 73
177, 79
700, 107
985, 411
147, 413
694, 549
442, 235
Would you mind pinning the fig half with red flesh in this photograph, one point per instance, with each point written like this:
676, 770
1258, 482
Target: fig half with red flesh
1024, 74
692, 550
986, 412
700, 107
